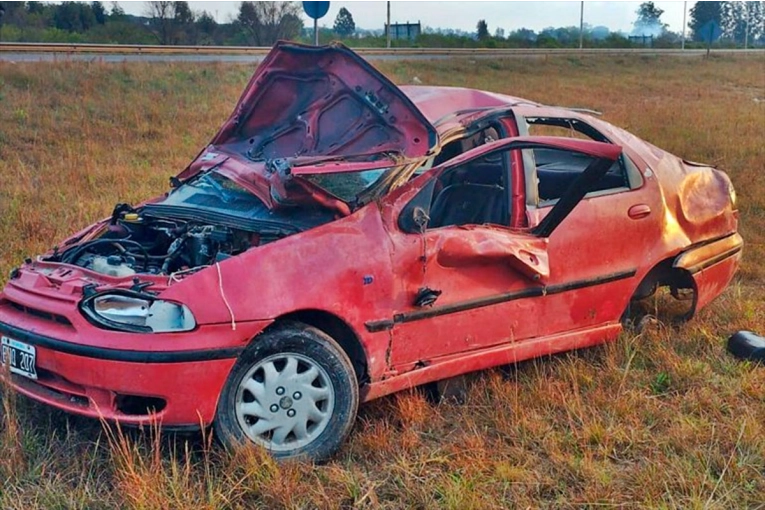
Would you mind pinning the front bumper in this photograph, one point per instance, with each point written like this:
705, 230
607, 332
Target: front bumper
174, 379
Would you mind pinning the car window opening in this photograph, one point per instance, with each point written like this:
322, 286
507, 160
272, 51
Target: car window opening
458, 147
557, 169
472, 194
453, 149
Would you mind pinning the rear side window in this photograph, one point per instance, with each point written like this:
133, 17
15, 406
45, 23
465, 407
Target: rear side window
557, 169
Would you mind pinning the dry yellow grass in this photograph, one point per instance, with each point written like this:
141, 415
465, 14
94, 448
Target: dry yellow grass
663, 419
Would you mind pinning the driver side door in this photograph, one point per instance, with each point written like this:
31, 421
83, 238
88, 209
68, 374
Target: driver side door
468, 276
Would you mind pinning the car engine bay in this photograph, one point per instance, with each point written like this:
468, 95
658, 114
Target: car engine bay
201, 222
134, 243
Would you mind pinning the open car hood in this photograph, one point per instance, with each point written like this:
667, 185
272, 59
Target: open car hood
323, 101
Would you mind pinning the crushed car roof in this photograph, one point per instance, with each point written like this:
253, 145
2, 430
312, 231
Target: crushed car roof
436, 103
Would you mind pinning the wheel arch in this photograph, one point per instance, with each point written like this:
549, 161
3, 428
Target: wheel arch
340, 331
667, 274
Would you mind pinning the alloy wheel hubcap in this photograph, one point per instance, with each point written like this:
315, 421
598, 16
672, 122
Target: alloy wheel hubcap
285, 401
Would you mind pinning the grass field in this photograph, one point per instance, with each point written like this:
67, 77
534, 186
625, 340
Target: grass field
662, 419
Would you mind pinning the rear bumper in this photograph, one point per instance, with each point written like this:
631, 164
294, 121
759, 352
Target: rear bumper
698, 258
175, 388
712, 266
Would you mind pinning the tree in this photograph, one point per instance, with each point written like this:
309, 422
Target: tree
756, 13
523, 34
35, 7
499, 33
482, 29
207, 28
740, 16
73, 17
702, 13
267, 22
183, 20
344, 24
12, 10
291, 26
99, 12
117, 11
171, 22
160, 16
649, 20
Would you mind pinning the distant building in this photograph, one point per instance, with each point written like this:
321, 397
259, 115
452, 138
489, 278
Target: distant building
405, 31
643, 40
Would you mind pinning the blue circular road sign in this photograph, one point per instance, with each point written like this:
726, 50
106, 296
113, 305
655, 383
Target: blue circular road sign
316, 10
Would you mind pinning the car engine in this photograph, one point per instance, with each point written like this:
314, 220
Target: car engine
134, 243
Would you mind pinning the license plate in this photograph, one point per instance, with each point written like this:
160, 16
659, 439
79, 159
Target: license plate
19, 357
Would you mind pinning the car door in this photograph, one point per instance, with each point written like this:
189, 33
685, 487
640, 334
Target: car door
607, 242
468, 277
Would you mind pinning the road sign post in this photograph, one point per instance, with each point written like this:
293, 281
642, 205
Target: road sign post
316, 10
387, 28
710, 32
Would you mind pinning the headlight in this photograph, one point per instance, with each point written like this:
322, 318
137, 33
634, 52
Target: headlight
137, 313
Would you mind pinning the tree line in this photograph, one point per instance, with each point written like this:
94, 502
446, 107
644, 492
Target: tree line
262, 23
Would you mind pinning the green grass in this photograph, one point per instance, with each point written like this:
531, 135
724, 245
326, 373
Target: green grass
661, 419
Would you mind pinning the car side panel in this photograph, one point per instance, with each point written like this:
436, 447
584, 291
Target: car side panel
503, 354
598, 241
697, 197
343, 268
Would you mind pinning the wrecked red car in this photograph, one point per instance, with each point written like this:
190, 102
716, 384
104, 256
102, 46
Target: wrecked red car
341, 239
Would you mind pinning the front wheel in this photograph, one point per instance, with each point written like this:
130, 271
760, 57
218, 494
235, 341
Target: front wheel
293, 391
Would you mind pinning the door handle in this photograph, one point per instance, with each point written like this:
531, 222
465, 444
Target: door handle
639, 211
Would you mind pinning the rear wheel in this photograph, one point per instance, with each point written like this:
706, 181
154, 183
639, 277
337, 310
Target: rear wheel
293, 391
652, 300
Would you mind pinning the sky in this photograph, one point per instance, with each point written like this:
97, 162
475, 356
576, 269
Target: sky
464, 15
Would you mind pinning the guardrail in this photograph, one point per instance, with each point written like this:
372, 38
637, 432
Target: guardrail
133, 49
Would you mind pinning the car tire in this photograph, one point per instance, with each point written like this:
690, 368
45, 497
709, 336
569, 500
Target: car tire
292, 391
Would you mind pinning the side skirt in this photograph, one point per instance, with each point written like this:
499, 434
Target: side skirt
459, 364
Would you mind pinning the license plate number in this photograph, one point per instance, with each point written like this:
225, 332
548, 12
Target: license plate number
19, 357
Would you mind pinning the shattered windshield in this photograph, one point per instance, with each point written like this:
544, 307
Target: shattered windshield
213, 197
347, 186
222, 185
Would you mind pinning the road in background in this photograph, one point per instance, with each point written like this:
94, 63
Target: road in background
34, 52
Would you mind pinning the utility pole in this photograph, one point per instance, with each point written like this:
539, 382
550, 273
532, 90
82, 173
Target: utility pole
746, 34
581, 26
685, 11
387, 29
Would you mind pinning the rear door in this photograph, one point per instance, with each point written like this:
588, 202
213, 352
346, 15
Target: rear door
606, 241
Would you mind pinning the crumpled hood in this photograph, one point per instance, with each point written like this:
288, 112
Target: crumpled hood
322, 101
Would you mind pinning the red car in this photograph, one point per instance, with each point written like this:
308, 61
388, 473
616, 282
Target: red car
341, 239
